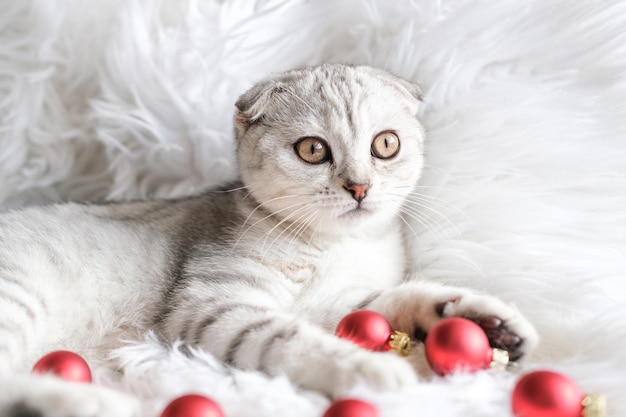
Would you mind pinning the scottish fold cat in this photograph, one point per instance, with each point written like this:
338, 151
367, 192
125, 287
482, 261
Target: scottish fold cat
258, 272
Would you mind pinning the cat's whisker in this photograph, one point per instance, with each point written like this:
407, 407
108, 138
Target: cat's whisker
439, 209
422, 222
295, 228
291, 220
271, 200
434, 187
425, 220
432, 205
260, 205
230, 190
288, 218
440, 202
419, 191
315, 228
304, 226
432, 212
272, 214
436, 228
246, 195
413, 232
291, 229
303, 223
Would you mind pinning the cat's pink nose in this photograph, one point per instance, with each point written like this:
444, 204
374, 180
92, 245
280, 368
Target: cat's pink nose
358, 191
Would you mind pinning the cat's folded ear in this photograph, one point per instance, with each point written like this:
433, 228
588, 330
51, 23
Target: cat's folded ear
252, 105
411, 91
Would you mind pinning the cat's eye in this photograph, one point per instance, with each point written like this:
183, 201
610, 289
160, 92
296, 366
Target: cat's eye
385, 145
312, 150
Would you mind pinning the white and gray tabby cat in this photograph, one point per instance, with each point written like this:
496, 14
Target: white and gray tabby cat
258, 273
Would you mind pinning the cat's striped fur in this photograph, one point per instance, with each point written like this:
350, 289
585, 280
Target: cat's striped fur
258, 273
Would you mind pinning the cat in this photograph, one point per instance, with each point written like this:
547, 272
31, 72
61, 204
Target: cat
258, 272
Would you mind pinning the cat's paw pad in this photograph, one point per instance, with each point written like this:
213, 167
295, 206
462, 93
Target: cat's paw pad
505, 327
382, 371
500, 336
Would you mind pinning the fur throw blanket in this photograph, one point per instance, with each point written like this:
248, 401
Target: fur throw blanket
524, 193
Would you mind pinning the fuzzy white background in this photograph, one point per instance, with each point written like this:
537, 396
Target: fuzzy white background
524, 195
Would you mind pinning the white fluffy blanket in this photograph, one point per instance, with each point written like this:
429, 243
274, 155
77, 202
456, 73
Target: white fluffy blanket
524, 195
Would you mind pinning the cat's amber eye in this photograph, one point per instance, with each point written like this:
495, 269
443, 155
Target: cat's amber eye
385, 145
312, 150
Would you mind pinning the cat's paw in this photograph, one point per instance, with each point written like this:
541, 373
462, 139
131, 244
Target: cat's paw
382, 371
505, 327
51, 397
416, 307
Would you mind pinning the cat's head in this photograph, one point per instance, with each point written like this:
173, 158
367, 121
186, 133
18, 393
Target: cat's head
335, 147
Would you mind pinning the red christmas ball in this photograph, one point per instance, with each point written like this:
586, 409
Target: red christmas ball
64, 364
457, 344
547, 394
192, 405
367, 329
351, 408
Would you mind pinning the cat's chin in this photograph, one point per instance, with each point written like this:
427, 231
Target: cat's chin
355, 220
357, 213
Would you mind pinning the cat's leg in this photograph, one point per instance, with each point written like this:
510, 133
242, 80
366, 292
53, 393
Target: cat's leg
24, 395
25, 316
252, 331
415, 307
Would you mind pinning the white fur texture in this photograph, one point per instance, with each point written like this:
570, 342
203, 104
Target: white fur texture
524, 193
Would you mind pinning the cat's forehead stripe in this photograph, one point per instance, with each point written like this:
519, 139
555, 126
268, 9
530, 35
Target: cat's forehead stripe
343, 96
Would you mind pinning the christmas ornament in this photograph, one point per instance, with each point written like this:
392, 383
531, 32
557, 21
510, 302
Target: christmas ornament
64, 364
372, 331
192, 405
550, 394
458, 344
351, 408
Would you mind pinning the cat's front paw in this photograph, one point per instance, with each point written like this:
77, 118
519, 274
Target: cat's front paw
416, 307
505, 327
382, 371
